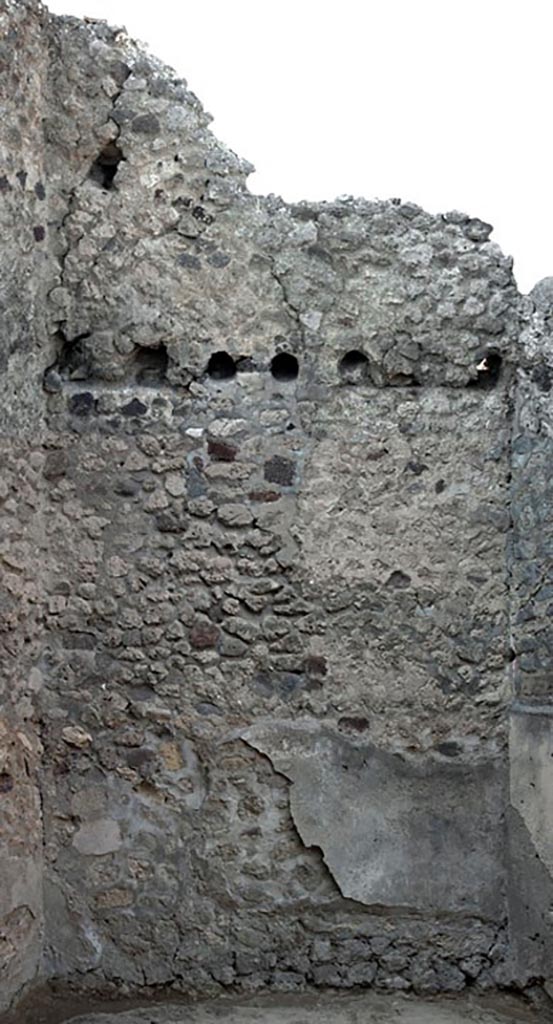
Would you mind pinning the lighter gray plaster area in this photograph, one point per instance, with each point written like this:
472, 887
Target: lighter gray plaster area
330, 1009
393, 827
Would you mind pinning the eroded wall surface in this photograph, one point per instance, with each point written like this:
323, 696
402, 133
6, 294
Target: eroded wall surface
277, 592
531, 721
23, 290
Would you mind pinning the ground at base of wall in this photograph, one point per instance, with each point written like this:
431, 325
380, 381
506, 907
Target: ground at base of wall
330, 1008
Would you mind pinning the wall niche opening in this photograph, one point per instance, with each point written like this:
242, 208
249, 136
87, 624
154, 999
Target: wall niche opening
354, 367
221, 366
74, 358
150, 365
488, 371
105, 166
284, 366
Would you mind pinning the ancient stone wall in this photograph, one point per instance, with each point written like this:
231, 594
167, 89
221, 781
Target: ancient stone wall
531, 607
281, 529
24, 280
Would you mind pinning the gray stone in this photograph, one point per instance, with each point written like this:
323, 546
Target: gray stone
96, 838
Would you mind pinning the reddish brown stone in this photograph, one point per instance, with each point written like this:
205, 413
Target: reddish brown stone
264, 495
220, 451
203, 635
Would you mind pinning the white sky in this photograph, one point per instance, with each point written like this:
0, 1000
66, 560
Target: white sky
447, 103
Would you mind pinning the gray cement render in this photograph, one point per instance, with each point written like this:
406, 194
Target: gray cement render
361, 1008
331, 1008
276, 645
417, 812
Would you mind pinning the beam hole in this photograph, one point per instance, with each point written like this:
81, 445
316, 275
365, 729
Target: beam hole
488, 371
150, 365
106, 165
354, 367
284, 366
221, 366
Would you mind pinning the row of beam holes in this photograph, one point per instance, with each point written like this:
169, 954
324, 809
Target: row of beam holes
353, 368
221, 366
150, 366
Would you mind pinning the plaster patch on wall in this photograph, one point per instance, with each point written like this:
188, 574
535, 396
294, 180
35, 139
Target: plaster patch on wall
97, 838
394, 828
531, 773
